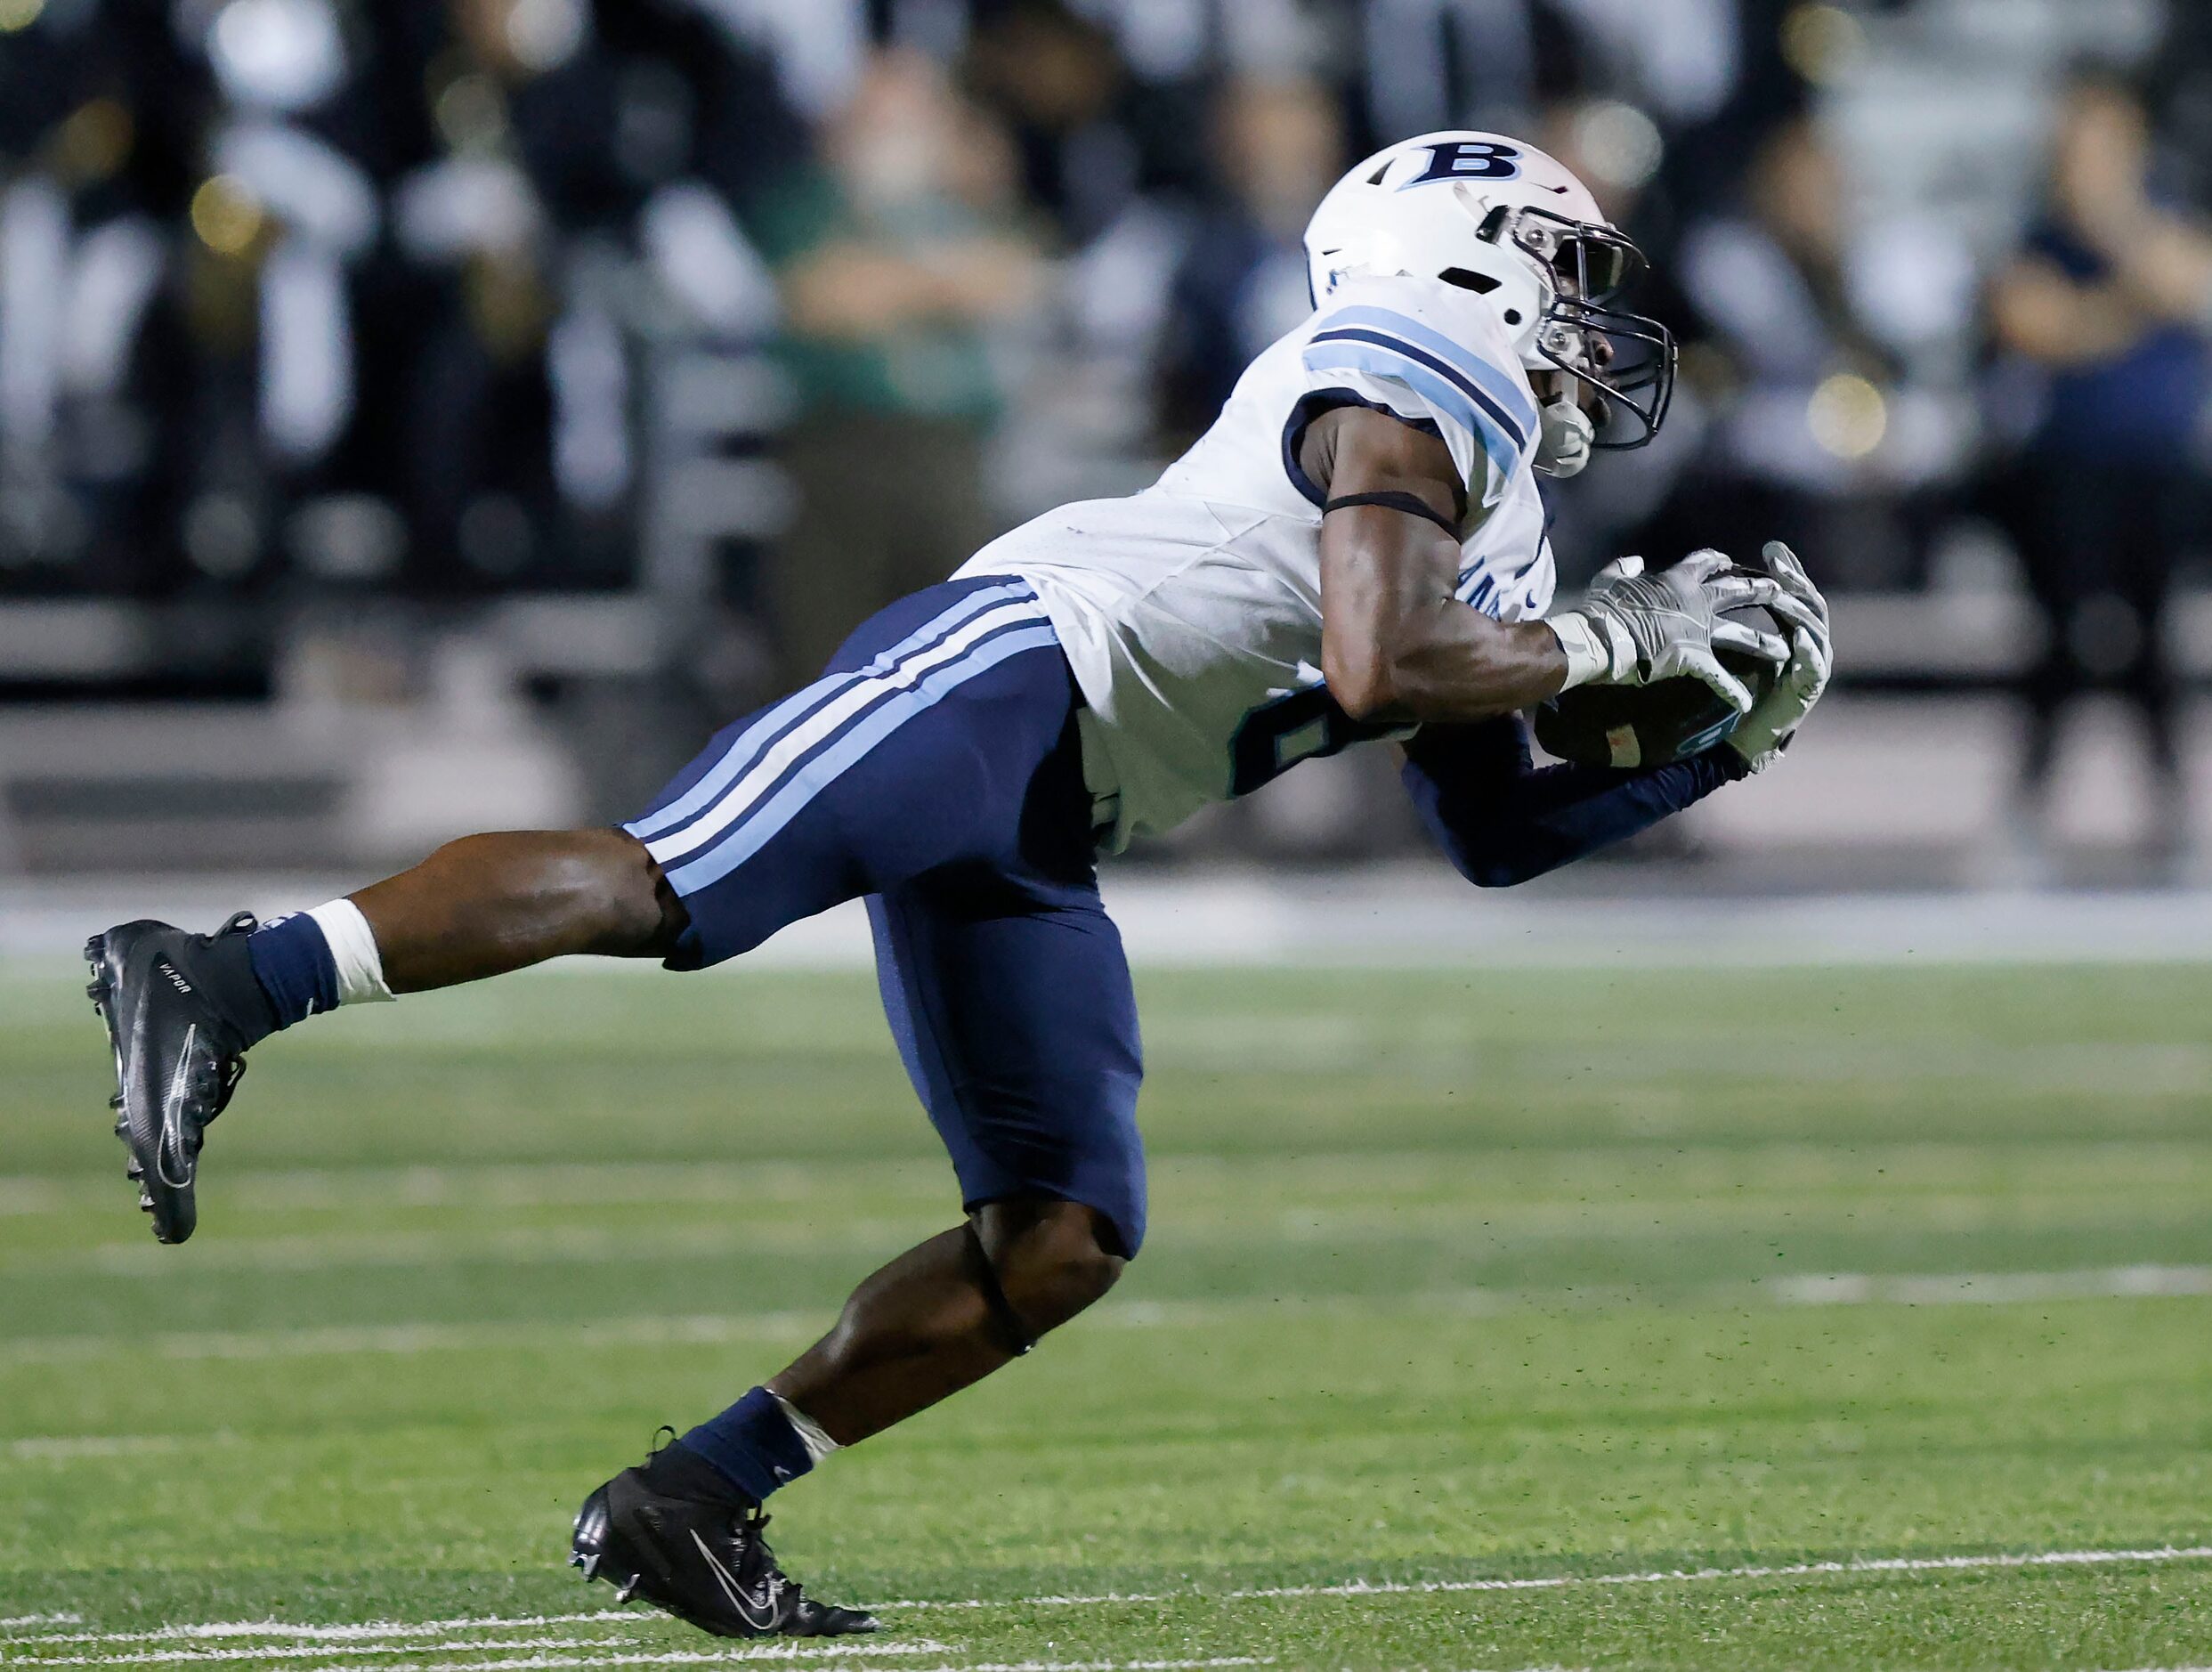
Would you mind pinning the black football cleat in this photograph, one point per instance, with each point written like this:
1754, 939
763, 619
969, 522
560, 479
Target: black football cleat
171, 1001
673, 1533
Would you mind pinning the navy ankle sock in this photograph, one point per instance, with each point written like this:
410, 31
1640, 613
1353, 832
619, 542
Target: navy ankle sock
752, 1444
292, 963
226, 971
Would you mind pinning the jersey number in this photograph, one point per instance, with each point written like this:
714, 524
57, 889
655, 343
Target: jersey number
1301, 725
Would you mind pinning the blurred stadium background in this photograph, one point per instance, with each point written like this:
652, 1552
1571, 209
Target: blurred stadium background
439, 415
426, 416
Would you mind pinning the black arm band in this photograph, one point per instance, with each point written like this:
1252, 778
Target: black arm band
1411, 504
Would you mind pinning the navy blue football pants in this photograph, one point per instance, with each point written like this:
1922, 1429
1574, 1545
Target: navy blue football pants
935, 768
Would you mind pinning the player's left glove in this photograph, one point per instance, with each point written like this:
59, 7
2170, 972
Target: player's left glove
1764, 732
1635, 629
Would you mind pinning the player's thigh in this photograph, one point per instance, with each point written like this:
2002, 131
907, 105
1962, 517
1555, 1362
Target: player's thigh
1017, 1024
939, 732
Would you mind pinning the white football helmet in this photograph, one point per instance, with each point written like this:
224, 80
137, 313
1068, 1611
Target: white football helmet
1504, 220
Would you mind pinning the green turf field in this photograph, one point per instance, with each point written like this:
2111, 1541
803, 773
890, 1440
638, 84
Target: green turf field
1487, 1321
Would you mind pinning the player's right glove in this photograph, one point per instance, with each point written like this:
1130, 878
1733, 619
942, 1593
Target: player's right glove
1764, 732
1638, 629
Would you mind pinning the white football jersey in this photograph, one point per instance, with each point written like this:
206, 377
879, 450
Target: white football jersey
1191, 611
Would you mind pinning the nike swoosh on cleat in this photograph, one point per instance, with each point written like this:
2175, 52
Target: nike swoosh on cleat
759, 1615
172, 1112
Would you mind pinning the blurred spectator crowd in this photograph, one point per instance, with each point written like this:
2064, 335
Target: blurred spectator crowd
780, 307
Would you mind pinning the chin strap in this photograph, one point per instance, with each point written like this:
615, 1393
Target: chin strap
1564, 448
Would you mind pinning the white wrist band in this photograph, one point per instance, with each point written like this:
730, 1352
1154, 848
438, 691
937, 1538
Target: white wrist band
1589, 656
811, 1434
353, 950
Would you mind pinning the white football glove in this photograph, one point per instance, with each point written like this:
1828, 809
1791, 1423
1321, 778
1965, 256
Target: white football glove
1635, 629
1763, 734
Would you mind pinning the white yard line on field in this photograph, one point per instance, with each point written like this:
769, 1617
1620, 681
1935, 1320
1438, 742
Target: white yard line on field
40, 1620
917, 1183
305, 1642
546, 1245
1381, 1220
1835, 1288
724, 1657
393, 1635
24, 1194
308, 1651
374, 1641
406, 1340
1990, 1287
1565, 1581
476, 1647
371, 1629
514, 1184
69, 1448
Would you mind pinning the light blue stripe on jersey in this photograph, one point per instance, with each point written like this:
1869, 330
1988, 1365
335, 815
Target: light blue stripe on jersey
793, 710
1483, 402
1448, 398
862, 734
1501, 385
850, 702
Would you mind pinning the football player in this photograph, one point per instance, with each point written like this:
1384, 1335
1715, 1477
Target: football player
1356, 550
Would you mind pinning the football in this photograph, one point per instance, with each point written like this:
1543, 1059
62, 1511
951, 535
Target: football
1652, 725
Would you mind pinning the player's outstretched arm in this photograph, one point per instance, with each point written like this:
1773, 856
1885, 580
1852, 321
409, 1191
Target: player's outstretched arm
1395, 645
1501, 820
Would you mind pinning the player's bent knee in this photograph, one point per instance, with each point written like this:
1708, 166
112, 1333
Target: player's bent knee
618, 886
1052, 1258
